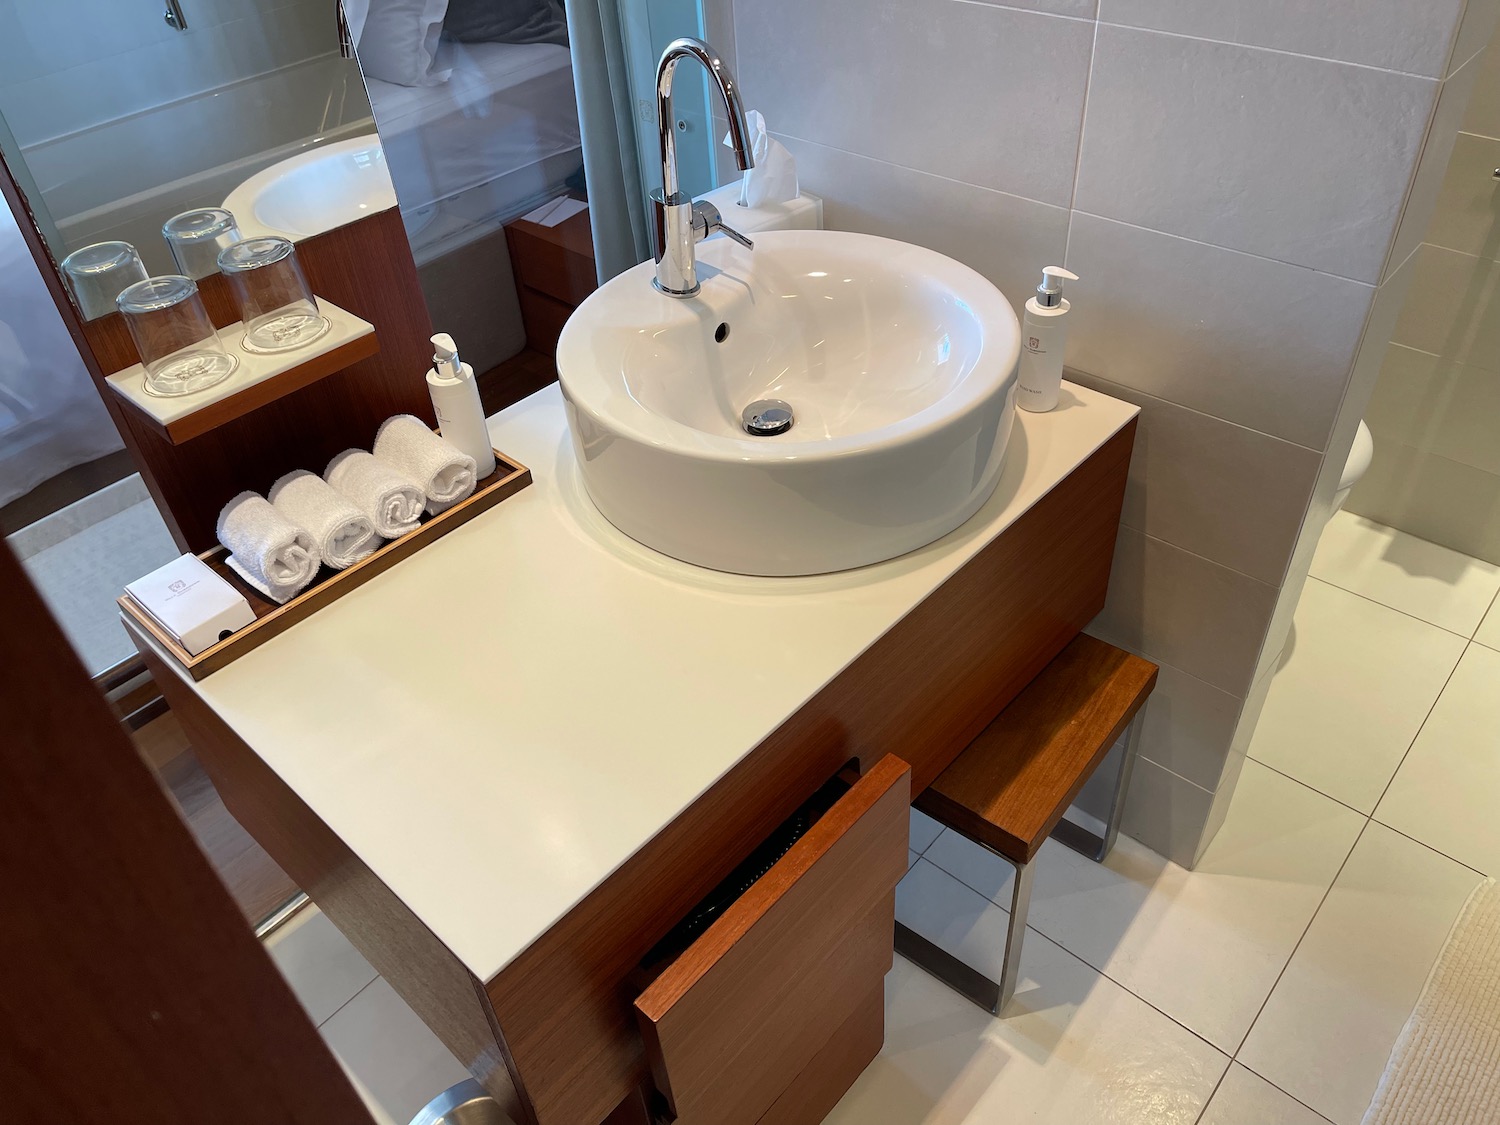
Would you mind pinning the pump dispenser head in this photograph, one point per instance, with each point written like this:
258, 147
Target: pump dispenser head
445, 357
1049, 292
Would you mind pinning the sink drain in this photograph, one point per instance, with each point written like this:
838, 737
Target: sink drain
767, 417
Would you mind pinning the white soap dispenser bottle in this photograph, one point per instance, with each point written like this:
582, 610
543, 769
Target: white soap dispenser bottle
1044, 335
455, 397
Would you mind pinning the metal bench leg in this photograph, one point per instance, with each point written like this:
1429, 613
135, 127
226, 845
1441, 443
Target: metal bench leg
1091, 844
971, 983
1020, 905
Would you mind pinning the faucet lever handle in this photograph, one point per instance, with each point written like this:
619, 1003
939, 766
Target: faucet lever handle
743, 240
707, 219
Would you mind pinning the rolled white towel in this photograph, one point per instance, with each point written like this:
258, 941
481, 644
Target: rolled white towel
265, 548
445, 473
343, 533
391, 499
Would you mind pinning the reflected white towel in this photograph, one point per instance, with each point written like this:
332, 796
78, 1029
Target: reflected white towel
266, 549
343, 533
391, 499
446, 474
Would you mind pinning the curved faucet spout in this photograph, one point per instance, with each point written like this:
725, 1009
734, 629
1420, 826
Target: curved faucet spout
679, 224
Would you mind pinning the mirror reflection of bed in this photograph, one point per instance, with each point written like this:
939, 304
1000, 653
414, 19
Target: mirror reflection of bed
478, 120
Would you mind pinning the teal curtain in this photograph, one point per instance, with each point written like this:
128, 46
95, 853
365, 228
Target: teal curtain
617, 209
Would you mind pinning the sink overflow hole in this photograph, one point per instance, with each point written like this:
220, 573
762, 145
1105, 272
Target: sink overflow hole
721, 333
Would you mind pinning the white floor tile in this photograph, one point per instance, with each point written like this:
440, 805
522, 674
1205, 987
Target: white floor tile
1434, 583
324, 970
397, 1059
1447, 791
1327, 1030
1358, 681
924, 830
1489, 630
1203, 946
1245, 1098
1075, 1048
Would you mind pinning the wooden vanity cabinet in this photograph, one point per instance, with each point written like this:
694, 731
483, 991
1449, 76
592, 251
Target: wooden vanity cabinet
567, 1033
923, 692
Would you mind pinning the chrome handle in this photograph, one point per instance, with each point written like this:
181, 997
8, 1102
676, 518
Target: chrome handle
174, 17
736, 235
707, 219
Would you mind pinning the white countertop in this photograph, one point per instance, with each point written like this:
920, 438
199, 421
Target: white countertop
500, 721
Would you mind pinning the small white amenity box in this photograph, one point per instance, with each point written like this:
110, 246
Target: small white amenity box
191, 602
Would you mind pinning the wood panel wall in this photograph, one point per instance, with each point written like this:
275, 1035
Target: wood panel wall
131, 989
365, 267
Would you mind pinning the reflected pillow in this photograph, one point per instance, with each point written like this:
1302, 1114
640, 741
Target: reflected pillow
506, 21
399, 42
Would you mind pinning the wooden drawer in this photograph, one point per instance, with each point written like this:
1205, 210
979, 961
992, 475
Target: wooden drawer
756, 1007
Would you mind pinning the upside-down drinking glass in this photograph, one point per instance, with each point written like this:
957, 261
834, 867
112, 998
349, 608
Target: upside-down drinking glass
276, 304
178, 345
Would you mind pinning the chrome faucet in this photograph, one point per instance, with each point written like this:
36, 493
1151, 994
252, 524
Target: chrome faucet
680, 223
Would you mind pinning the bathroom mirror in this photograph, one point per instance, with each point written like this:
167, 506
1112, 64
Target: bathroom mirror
115, 117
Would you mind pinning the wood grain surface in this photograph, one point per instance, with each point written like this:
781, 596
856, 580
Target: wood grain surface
555, 1032
827, 1078
257, 395
131, 989
272, 619
731, 1024
1011, 786
924, 691
365, 267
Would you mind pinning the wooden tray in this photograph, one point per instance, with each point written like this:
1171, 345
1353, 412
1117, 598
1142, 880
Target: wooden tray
509, 477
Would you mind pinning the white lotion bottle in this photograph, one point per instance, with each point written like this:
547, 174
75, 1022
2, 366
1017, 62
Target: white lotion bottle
455, 397
1044, 335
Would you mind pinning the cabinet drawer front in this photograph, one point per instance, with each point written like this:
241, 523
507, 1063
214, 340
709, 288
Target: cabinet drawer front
732, 1022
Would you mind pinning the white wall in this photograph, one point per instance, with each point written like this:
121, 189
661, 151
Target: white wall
1435, 414
67, 65
1228, 180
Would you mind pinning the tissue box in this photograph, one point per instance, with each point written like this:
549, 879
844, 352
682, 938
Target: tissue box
803, 213
191, 602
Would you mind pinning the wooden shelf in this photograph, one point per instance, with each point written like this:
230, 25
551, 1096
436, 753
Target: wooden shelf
257, 379
509, 477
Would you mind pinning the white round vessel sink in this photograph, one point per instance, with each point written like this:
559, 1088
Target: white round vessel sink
898, 366
314, 191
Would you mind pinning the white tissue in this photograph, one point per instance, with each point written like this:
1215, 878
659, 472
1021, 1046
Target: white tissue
774, 177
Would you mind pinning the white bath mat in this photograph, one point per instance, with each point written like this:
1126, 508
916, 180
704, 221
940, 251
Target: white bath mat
1445, 1067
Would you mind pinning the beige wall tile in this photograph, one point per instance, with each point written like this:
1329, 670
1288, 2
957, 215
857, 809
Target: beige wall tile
1453, 308
1428, 496
1391, 34
1432, 166
1482, 117
1475, 32
986, 95
1301, 160
1257, 342
1213, 488
1180, 609
1467, 215
1004, 237
1437, 406
1165, 812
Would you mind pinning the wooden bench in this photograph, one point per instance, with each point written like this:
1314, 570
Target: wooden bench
1009, 789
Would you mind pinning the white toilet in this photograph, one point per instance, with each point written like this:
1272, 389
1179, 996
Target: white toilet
1360, 454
